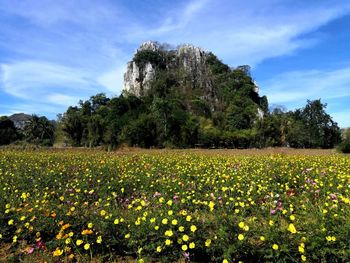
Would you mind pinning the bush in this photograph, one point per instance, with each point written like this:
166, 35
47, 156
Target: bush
344, 147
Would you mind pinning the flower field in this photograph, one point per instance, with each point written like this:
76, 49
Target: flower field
171, 206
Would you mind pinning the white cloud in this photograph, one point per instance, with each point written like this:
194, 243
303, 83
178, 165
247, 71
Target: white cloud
244, 32
292, 89
312, 84
113, 80
37, 80
61, 50
62, 99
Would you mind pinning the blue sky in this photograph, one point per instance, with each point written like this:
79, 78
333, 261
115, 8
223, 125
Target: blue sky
54, 53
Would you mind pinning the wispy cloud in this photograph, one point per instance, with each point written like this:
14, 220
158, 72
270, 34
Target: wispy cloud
34, 80
57, 51
293, 88
297, 85
243, 32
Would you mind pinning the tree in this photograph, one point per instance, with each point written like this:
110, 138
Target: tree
40, 131
8, 131
344, 146
74, 125
322, 131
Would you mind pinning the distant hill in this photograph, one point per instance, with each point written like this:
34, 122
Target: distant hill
20, 120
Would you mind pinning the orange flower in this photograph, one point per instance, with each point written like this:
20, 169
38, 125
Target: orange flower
87, 232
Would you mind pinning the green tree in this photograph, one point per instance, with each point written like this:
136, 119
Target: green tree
74, 125
322, 131
40, 131
8, 131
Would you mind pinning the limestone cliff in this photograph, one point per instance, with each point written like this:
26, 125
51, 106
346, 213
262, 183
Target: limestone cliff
186, 58
197, 75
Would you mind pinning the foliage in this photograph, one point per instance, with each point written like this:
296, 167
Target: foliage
40, 131
8, 131
344, 146
173, 206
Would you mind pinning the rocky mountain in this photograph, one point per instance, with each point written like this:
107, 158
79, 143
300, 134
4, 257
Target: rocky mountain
151, 56
192, 73
20, 120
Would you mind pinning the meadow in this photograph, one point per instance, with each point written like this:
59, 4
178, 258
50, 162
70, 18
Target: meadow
174, 206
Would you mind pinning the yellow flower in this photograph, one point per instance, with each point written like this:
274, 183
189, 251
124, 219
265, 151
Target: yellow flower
90, 225
301, 249
207, 242
334, 238
225, 261
181, 229
68, 240
193, 228
127, 235
0, 236
169, 233
192, 245
246, 228
262, 238
99, 240
87, 246
185, 237
303, 258
103, 213
275, 247
174, 222
79, 242
241, 224
116, 221
240, 237
188, 218
164, 221
292, 217
292, 229
271, 223
184, 247
170, 212
58, 252
159, 249
10, 222
168, 242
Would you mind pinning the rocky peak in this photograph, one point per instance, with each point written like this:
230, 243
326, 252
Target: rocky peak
149, 45
189, 58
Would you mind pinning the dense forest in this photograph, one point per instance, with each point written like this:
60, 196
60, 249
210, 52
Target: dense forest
177, 112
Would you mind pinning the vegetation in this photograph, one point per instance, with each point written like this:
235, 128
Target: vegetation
169, 206
180, 110
344, 146
38, 131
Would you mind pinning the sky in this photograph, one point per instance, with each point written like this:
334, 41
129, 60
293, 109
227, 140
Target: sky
54, 53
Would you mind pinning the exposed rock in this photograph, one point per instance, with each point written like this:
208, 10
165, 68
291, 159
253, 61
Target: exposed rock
188, 58
193, 73
20, 120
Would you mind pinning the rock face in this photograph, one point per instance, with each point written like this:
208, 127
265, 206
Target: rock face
20, 120
198, 78
186, 58
138, 78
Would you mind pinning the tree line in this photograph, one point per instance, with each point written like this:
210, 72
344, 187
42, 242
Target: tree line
161, 122
178, 110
